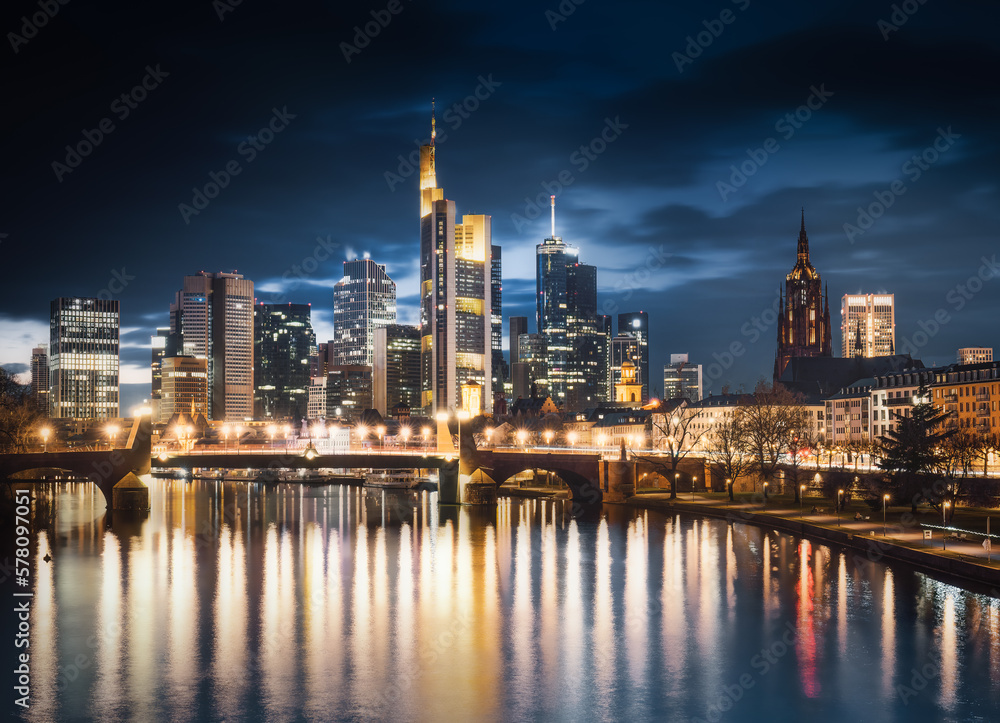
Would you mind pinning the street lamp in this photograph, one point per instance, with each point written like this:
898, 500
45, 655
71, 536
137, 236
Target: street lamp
271, 429
571, 438
677, 480
885, 499
693, 480
728, 483
45, 432
521, 436
802, 494
548, 437
225, 437
944, 522
426, 431
839, 494
190, 437
489, 436
112, 430
287, 429
765, 496
362, 432
404, 432
380, 430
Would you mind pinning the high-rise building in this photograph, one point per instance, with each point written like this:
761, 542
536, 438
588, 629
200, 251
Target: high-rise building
624, 349
363, 300
212, 318
500, 370
455, 296
184, 387
40, 378
804, 323
868, 325
348, 391
83, 358
519, 384
975, 354
682, 379
636, 323
566, 314
284, 345
396, 371
533, 367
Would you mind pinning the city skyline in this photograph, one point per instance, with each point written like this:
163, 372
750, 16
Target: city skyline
691, 221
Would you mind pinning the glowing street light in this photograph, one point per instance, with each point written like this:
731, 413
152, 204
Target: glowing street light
225, 436
239, 433
404, 432
271, 430
802, 494
426, 432
765, 496
693, 480
287, 430
521, 436
548, 436
571, 438
885, 499
489, 435
944, 522
840, 493
112, 430
677, 481
362, 432
380, 431
45, 432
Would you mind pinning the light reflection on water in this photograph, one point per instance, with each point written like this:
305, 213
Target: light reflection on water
234, 603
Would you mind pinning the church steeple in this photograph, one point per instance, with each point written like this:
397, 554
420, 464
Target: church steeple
803, 241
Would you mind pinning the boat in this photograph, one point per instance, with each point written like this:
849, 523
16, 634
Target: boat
397, 480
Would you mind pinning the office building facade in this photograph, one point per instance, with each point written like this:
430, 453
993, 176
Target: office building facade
682, 379
363, 300
396, 371
184, 387
284, 346
84, 358
636, 324
40, 378
867, 325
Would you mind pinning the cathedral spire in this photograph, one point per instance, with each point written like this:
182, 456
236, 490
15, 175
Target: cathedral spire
803, 240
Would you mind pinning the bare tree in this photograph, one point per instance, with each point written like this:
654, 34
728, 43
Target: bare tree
19, 415
772, 417
727, 448
673, 434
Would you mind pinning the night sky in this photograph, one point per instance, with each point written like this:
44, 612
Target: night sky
682, 140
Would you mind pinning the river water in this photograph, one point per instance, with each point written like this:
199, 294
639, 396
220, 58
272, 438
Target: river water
232, 602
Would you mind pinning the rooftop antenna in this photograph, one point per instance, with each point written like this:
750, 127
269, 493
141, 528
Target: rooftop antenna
552, 202
433, 124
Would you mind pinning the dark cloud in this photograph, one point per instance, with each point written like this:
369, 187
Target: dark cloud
652, 191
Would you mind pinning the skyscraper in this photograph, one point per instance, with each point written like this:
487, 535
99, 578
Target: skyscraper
83, 361
396, 370
566, 315
682, 379
500, 371
284, 344
40, 378
636, 323
868, 325
455, 296
212, 317
363, 300
804, 324
184, 387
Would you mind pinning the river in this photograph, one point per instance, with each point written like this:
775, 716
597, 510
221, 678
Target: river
232, 602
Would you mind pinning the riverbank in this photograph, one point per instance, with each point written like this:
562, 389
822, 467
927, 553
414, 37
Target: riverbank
961, 559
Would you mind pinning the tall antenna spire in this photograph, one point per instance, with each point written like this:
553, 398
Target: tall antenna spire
552, 202
433, 124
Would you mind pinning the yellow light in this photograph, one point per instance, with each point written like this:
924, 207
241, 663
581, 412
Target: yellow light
571, 438
404, 432
426, 431
45, 432
271, 429
463, 415
380, 430
441, 416
362, 431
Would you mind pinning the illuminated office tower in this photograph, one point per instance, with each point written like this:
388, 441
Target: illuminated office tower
284, 346
396, 370
363, 300
40, 378
184, 387
636, 324
500, 369
975, 354
212, 317
868, 325
83, 358
455, 297
682, 379
566, 315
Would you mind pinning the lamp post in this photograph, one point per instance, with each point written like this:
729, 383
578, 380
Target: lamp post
802, 494
571, 438
839, 494
885, 499
426, 432
944, 522
239, 433
677, 480
380, 430
190, 438
728, 482
112, 430
489, 436
404, 432
225, 437
765, 497
271, 429
693, 480
548, 437
45, 432
287, 429
521, 436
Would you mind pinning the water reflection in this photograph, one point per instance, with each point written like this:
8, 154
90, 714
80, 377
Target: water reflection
230, 602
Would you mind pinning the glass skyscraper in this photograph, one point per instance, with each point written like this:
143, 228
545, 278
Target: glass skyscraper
83, 358
363, 300
284, 343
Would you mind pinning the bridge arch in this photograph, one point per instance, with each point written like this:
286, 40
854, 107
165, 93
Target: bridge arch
581, 473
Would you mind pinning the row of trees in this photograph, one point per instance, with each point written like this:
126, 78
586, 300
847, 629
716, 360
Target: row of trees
765, 427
